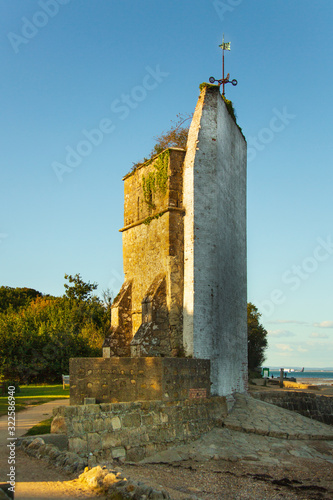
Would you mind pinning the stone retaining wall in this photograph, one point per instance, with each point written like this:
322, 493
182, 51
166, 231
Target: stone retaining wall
308, 404
132, 431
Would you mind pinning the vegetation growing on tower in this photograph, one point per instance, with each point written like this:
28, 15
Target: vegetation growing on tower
175, 137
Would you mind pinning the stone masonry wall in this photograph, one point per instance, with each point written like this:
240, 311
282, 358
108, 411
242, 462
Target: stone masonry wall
307, 404
119, 379
153, 238
133, 431
120, 335
215, 283
151, 339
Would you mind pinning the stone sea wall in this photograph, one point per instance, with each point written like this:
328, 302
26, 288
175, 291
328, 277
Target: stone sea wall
307, 404
133, 431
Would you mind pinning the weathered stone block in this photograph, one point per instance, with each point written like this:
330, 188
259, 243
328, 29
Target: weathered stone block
131, 420
89, 401
150, 449
147, 420
71, 411
136, 453
105, 407
78, 445
78, 428
118, 342
115, 423
119, 452
94, 441
88, 425
99, 424
58, 425
109, 441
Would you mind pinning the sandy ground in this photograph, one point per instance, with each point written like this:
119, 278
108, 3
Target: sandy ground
216, 480
208, 480
38, 480
317, 382
315, 386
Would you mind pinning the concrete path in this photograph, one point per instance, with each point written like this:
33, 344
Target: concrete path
35, 478
24, 420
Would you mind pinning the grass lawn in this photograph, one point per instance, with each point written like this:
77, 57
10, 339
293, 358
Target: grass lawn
34, 395
43, 427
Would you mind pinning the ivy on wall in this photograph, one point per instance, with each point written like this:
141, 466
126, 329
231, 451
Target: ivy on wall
148, 220
156, 180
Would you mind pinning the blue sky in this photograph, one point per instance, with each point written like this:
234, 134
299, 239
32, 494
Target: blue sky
128, 68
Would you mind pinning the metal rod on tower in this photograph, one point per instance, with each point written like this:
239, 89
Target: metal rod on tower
224, 46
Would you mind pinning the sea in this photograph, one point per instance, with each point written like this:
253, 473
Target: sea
322, 377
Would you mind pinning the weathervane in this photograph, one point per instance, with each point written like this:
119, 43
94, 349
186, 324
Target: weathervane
224, 46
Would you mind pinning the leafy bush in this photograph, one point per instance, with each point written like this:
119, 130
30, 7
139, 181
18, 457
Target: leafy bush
257, 337
175, 137
37, 340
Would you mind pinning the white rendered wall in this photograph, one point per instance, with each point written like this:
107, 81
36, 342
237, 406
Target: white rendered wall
215, 294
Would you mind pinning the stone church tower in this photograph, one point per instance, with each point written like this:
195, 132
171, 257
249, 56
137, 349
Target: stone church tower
184, 252
147, 317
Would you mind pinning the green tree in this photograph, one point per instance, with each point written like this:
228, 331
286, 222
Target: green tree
16, 298
256, 335
107, 297
38, 339
37, 342
176, 137
80, 290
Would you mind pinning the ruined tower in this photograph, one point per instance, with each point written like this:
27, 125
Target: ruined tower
147, 314
184, 251
215, 283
